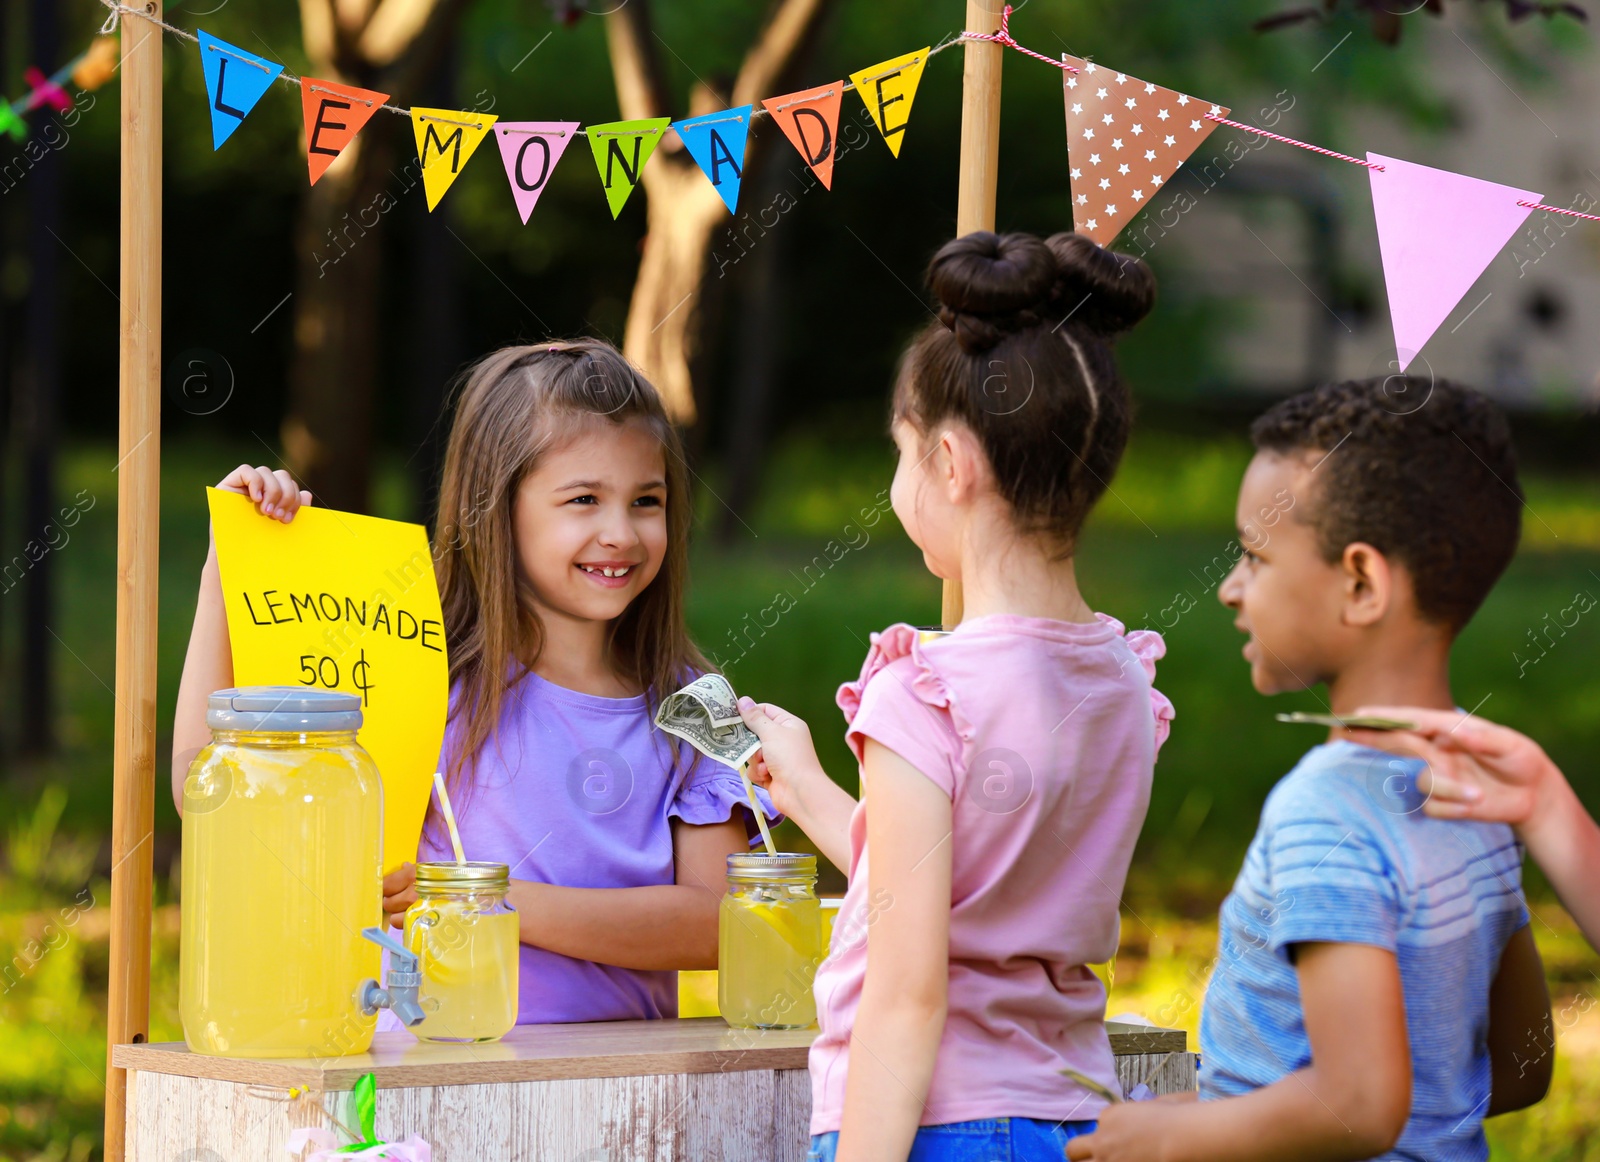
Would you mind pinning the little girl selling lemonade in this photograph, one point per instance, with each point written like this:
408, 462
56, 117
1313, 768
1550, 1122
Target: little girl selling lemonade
561, 555
1006, 766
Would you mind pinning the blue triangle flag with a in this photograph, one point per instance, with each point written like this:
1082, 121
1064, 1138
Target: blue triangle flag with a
235, 81
716, 142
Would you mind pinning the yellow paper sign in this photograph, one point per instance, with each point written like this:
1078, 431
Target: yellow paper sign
337, 601
888, 88
446, 138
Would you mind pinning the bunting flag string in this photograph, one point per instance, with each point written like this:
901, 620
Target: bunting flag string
1437, 230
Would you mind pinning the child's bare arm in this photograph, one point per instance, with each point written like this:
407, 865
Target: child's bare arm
1522, 1045
905, 996
1350, 1103
208, 665
663, 926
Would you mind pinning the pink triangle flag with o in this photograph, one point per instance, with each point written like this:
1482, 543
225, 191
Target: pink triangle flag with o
1437, 232
530, 150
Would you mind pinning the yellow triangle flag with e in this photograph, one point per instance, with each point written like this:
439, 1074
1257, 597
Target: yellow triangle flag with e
446, 138
888, 88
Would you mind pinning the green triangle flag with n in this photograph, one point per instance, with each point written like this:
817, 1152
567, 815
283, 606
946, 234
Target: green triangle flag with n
621, 149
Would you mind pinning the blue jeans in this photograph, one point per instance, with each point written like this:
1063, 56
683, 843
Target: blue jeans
988, 1140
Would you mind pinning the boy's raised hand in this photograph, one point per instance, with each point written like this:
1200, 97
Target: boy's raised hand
275, 493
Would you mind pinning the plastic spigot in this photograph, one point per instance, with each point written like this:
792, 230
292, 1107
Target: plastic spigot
405, 979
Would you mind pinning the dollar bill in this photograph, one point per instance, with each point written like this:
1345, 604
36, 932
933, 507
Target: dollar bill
705, 714
1353, 722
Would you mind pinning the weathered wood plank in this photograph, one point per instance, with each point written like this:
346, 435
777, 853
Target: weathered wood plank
546, 1053
731, 1116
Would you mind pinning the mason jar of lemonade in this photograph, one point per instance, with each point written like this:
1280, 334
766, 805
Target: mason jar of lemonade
282, 868
769, 942
465, 934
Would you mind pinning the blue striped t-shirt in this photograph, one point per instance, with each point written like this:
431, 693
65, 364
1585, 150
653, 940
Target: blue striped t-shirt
1344, 854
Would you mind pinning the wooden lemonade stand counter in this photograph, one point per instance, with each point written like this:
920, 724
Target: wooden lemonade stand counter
609, 1092
606, 1092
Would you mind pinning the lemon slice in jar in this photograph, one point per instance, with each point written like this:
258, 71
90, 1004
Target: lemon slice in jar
787, 923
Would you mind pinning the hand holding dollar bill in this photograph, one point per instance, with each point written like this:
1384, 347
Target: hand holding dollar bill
705, 714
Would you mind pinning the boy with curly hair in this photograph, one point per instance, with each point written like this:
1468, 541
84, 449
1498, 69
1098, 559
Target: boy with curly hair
1377, 992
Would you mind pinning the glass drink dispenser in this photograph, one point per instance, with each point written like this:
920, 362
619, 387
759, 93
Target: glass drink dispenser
282, 871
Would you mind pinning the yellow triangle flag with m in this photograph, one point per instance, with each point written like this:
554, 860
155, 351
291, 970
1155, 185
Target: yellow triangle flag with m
446, 138
888, 88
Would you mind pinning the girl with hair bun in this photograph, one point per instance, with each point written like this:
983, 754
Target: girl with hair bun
1007, 763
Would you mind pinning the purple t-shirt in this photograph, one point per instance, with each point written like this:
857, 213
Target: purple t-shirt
577, 790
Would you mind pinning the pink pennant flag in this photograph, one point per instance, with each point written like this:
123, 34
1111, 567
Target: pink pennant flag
530, 150
1437, 232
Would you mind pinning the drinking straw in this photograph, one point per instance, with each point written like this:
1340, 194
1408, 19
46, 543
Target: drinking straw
761, 819
450, 816
1091, 1085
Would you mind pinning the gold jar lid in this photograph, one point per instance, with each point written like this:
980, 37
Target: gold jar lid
760, 868
463, 875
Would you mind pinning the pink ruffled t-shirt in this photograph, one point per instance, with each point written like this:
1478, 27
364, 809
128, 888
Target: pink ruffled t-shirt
1044, 734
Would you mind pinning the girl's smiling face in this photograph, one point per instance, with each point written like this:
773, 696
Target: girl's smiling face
590, 520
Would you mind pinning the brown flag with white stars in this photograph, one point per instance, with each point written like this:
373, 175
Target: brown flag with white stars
1125, 140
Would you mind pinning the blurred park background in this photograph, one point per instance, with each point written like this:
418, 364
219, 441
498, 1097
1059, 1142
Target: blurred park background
321, 329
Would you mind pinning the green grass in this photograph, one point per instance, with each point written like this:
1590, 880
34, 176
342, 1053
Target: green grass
1160, 537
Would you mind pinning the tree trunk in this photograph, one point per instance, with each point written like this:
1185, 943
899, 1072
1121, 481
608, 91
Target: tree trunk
667, 324
664, 317
758, 346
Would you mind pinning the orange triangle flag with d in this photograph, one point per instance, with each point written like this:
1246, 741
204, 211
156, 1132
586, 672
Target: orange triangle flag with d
334, 115
810, 120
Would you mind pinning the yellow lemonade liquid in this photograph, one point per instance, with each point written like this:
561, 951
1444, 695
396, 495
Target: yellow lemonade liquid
282, 868
769, 944
469, 969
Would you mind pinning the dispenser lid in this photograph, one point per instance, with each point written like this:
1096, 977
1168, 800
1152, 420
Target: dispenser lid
286, 709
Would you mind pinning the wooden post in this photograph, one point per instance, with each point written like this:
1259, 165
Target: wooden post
138, 557
980, 163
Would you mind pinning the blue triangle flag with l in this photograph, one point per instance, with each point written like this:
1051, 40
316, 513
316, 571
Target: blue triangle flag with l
716, 142
235, 81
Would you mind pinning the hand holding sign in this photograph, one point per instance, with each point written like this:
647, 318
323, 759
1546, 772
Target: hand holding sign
345, 602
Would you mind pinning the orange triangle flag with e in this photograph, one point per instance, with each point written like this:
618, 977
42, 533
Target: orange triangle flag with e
334, 115
1125, 140
810, 120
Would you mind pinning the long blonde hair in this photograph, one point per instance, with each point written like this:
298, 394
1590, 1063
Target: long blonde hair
513, 405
